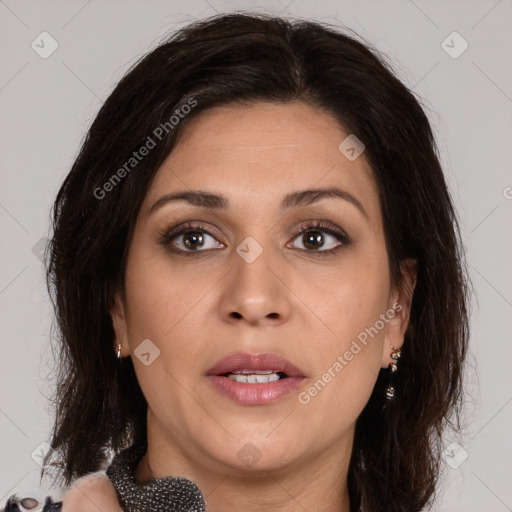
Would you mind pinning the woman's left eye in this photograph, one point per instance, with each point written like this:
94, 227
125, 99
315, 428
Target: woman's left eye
315, 237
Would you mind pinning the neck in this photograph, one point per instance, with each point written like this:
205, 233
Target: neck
313, 483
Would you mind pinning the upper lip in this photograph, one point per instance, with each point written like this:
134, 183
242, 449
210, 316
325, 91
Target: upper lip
244, 361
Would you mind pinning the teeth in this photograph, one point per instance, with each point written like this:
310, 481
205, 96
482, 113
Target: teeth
256, 372
253, 377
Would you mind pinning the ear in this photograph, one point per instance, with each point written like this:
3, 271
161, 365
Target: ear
118, 315
399, 308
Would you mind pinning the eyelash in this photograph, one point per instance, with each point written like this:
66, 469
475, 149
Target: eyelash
166, 236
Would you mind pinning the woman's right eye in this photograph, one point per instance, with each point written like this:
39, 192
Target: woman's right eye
195, 241
190, 239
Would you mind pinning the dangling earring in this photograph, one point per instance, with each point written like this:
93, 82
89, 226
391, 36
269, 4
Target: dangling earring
395, 355
119, 351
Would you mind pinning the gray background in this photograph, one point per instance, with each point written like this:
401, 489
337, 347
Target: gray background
48, 104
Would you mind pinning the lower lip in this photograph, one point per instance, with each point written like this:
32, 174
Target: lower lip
255, 394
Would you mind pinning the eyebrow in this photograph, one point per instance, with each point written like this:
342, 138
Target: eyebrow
297, 199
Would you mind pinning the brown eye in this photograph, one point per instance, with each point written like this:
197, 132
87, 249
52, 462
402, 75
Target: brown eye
193, 239
190, 239
321, 237
313, 240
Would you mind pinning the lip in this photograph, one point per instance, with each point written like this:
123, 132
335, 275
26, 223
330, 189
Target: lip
260, 393
265, 361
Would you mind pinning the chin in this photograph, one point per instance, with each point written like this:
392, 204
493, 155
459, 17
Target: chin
255, 454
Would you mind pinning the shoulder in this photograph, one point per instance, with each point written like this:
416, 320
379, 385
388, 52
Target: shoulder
88, 493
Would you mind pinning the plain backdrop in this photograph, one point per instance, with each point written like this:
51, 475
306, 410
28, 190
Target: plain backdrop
47, 105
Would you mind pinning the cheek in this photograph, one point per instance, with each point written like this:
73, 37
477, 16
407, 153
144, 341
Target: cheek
158, 297
349, 298
160, 309
346, 363
166, 306
348, 355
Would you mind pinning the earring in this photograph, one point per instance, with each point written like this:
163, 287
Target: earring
119, 351
395, 355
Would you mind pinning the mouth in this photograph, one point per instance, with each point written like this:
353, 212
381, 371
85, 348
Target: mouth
255, 376
255, 379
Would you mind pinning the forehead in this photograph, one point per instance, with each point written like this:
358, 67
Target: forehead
258, 153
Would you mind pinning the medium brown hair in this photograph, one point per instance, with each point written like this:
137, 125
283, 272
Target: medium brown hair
237, 59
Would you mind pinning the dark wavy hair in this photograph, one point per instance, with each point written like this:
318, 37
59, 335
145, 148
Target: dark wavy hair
237, 59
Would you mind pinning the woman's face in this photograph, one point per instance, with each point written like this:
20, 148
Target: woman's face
253, 274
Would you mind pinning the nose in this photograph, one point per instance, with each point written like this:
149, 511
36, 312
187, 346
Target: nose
256, 291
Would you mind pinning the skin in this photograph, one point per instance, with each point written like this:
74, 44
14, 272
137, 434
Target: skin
91, 493
292, 300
